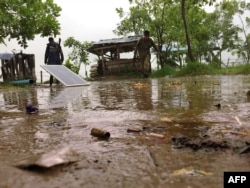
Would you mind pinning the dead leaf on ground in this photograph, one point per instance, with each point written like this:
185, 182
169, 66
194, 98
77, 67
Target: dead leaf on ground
190, 172
166, 119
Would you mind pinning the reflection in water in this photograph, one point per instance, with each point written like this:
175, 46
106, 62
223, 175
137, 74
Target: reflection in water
66, 97
195, 96
116, 105
19, 97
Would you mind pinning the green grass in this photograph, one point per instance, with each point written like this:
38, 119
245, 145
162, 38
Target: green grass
240, 69
163, 72
196, 68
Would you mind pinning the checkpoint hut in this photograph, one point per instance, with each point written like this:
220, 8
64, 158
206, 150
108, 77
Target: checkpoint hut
109, 53
18, 68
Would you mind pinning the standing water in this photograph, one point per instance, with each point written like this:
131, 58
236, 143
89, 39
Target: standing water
207, 116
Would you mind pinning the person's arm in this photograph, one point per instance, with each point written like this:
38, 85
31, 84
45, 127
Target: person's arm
61, 55
46, 55
154, 46
136, 47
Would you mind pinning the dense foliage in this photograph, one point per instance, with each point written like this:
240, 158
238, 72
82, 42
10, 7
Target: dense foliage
23, 19
185, 24
78, 55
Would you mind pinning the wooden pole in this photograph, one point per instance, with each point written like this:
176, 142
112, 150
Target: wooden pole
41, 74
103, 66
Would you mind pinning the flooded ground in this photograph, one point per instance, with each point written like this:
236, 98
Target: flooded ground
214, 108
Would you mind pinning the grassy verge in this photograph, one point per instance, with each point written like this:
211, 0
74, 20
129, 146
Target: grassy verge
240, 69
163, 72
195, 68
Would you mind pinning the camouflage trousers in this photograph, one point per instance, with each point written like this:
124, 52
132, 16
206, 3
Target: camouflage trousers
145, 62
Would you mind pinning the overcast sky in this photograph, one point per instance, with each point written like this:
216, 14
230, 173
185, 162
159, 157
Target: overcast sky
84, 20
89, 20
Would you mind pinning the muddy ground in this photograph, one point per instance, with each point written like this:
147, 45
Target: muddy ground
188, 132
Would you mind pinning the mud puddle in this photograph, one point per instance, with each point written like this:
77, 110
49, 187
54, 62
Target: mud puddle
162, 110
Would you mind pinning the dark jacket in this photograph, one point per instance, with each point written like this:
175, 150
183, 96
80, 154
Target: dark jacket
53, 54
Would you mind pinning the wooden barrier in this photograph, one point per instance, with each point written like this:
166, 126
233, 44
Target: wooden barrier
19, 67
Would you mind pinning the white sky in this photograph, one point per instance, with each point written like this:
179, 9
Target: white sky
84, 20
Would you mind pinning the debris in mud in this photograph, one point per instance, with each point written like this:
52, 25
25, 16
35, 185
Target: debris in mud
152, 156
166, 119
133, 130
246, 133
246, 149
58, 124
52, 158
218, 106
191, 172
156, 135
175, 84
63, 124
156, 128
100, 133
181, 141
238, 120
31, 109
140, 85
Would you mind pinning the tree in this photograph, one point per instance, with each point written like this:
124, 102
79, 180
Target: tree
243, 49
185, 23
79, 54
191, 3
23, 19
223, 32
146, 14
183, 13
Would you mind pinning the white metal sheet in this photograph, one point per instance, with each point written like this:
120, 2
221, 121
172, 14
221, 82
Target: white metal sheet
65, 75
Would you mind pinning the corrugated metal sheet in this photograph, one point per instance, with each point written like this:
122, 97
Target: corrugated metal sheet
118, 40
6, 56
126, 44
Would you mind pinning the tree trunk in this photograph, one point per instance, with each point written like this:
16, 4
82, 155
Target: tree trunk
183, 13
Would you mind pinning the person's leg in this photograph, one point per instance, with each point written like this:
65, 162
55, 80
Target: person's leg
142, 61
51, 80
146, 66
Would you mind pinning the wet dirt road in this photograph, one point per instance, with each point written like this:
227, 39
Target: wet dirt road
167, 107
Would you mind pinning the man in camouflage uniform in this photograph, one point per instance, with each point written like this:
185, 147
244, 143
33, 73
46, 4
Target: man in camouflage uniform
53, 55
143, 48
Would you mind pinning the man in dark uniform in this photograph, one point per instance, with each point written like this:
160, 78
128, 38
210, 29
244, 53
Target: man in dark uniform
143, 48
53, 55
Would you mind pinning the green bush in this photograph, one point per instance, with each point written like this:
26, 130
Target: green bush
163, 72
195, 68
240, 69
